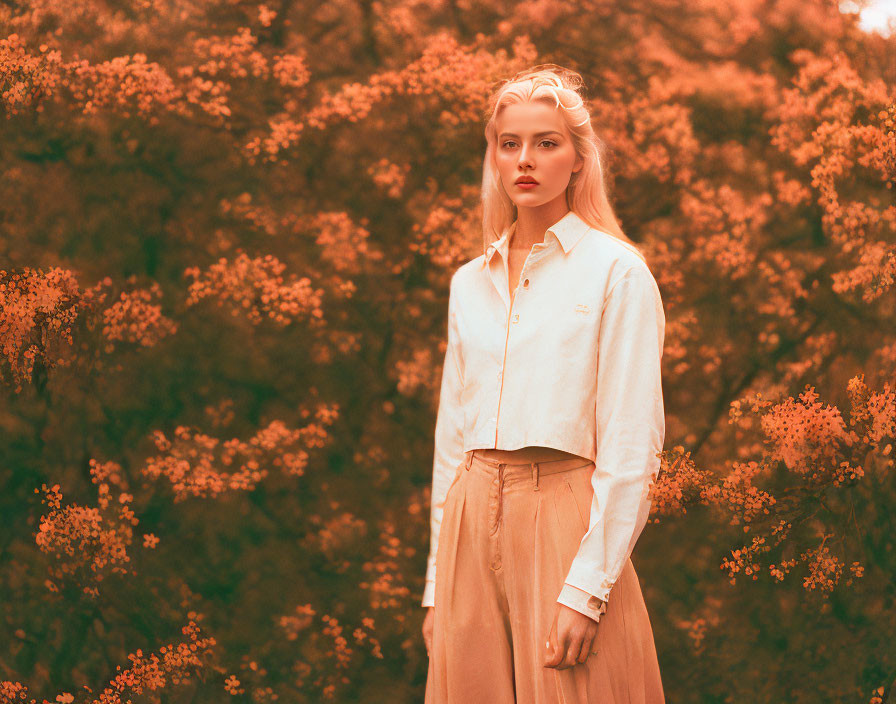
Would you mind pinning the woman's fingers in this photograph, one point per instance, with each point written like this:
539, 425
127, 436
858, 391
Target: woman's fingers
564, 655
572, 652
564, 652
587, 645
553, 653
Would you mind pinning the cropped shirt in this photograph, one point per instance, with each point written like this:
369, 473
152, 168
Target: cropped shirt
572, 362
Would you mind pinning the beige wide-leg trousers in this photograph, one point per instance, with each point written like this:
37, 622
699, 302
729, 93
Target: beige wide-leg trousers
508, 537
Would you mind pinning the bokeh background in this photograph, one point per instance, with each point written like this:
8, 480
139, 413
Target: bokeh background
226, 234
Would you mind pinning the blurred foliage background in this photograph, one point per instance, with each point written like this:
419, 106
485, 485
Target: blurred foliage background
226, 234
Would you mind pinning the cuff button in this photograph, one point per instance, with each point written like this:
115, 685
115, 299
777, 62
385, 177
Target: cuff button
597, 604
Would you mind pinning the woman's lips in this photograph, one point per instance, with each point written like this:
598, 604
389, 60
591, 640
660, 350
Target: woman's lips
527, 185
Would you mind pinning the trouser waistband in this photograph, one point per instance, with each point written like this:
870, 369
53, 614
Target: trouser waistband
536, 468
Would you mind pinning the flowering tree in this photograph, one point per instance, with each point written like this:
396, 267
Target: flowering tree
226, 237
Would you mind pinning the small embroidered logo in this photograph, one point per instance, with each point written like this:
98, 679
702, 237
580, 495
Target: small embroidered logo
582, 308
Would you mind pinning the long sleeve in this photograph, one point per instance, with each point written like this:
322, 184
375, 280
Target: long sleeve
449, 440
630, 427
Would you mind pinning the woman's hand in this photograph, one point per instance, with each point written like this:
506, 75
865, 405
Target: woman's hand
571, 638
427, 629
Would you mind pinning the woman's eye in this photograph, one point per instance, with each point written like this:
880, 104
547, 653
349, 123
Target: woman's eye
506, 144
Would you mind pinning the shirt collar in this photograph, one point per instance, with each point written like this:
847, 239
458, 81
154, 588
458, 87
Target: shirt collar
568, 230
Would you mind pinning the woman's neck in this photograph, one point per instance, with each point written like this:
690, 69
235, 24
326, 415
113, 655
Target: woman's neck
532, 224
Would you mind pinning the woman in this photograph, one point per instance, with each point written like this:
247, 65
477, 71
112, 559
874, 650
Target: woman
549, 427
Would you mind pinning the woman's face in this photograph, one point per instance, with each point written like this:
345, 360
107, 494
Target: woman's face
533, 141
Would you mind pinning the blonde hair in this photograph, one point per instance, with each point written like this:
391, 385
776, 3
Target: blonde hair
587, 191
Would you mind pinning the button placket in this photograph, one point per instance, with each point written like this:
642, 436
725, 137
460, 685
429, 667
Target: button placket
514, 319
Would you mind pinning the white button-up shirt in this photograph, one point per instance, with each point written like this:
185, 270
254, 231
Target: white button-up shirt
571, 362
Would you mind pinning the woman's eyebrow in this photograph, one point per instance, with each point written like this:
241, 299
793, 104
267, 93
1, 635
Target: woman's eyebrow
537, 134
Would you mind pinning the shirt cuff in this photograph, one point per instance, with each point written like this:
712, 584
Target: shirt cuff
582, 601
594, 581
429, 594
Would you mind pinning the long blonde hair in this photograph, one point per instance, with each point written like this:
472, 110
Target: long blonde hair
587, 190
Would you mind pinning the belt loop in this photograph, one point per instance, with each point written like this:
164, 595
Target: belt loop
469, 460
535, 474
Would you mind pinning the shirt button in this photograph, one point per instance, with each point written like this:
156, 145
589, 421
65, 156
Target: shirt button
526, 283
